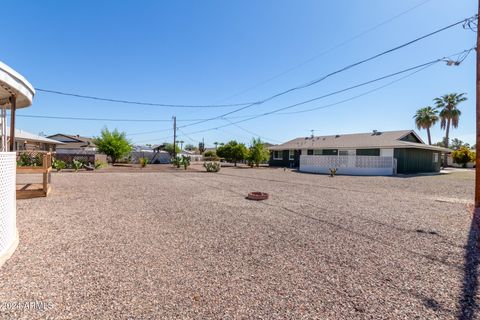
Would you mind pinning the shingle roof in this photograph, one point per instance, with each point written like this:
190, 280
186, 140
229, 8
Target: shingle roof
80, 142
386, 139
25, 135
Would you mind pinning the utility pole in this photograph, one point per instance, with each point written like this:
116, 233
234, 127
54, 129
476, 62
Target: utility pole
174, 137
477, 102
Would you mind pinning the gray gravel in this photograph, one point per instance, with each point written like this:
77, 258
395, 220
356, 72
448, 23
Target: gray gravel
189, 245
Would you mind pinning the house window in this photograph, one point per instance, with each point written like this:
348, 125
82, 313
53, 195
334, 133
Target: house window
317, 152
291, 154
309, 152
277, 155
343, 152
435, 157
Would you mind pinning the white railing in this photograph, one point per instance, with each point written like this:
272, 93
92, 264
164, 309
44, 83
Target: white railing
366, 165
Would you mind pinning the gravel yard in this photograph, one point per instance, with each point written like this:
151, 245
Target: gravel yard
175, 244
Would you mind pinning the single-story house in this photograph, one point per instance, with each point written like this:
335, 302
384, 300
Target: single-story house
74, 144
29, 141
373, 153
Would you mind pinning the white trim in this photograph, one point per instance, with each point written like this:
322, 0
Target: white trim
278, 152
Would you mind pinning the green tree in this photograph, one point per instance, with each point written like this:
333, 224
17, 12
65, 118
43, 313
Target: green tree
457, 144
425, 118
463, 156
233, 151
257, 152
169, 148
449, 113
114, 144
190, 147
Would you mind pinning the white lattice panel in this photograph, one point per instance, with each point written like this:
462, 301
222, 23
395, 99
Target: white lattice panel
361, 165
373, 162
7, 200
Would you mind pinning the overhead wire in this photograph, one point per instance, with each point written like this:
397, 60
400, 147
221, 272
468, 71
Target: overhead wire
350, 66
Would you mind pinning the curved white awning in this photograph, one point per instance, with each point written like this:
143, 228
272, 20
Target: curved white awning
13, 83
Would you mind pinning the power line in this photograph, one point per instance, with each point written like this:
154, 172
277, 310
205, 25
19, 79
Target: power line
313, 82
424, 65
357, 96
250, 132
99, 119
250, 104
148, 132
341, 44
188, 137
139, 102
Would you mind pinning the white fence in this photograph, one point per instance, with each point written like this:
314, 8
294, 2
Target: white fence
354, 165
8, 228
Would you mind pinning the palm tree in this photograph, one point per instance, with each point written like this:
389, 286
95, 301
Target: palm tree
425, 118
449, 113
216, 145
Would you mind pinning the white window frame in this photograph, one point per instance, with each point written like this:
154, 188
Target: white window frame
291, 154
317, 152
278, 153
435, 157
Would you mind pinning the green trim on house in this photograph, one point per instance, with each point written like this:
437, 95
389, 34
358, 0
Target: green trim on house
368, 152
410, 160
411, 138
329, 152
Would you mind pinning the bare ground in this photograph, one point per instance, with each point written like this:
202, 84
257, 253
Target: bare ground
174, 244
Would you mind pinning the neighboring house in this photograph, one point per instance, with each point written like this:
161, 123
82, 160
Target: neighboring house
74, 144
374, 153
29, 141
456, 165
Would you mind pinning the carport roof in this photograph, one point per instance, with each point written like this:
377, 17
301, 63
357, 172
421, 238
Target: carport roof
13, 83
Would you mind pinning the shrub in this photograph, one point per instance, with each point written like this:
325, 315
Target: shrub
333, 172
212, 166
257, 153
143, 162
30, 160
185, 161
99, 164
233, 151
176, 162
58, 164
76, 165
463, 156
210, 155
114, 144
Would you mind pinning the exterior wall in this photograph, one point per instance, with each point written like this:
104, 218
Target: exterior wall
351, 165
8, 228
368, 152
410, 160
386, 153
286, 161
450, 163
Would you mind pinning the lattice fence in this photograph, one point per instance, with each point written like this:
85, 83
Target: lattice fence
347, 161
7, 200
69, 157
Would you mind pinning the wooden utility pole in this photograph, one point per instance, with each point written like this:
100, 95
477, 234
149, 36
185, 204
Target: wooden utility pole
477, 102
13, 109
174, 136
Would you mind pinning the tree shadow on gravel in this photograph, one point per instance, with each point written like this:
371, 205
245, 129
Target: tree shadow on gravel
467, 301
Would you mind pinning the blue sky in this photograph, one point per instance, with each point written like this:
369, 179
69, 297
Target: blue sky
210, 52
